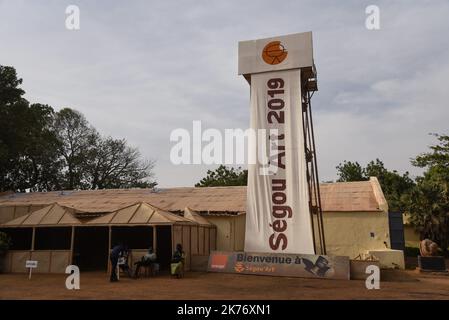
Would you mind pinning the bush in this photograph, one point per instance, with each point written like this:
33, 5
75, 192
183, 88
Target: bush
5, 242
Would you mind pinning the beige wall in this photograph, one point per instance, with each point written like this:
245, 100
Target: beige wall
347, 233
412, 237
230, 232
8, 213
49, 261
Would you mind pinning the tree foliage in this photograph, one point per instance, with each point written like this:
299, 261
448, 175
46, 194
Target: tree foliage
350, 171
43, 150
394, 185
28, 145
114, 164
428, 209
224, 176
78, 139
429, 200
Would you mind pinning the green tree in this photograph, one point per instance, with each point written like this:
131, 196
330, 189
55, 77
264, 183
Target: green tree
93, 162
429, 200
10, 92
428, 209
114, 164
437, 160
224, 176
395, 186
350, 171
28, 146
77, 139
41, 150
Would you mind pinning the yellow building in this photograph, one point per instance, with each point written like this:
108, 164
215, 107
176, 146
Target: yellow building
412, 237
355, 214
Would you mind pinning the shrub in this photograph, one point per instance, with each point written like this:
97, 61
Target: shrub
411, 252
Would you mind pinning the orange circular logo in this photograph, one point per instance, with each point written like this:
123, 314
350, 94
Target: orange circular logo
274, 53
239, 267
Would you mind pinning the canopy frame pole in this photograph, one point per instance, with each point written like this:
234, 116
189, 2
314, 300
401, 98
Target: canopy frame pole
72, 244
33, 239
172, 240
109, 250
32, 245
155, 238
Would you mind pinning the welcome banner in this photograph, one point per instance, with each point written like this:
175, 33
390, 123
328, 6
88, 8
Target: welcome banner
278, 264
277, 216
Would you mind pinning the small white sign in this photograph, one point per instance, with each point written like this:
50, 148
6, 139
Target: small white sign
31, 264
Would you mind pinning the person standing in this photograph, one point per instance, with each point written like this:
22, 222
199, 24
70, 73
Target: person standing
116, 252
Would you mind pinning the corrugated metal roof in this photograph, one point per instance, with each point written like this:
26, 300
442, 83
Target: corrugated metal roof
341, 196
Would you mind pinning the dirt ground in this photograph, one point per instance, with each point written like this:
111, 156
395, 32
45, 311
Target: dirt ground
396, 284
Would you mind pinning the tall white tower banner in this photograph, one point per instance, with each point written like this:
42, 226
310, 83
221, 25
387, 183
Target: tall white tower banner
277, 217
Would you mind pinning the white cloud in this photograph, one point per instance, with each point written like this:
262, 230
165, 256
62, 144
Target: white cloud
141, 69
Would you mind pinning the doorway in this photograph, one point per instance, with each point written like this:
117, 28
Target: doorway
90, 250
164, 246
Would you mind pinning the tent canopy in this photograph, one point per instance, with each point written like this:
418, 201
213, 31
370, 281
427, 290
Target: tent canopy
138, 214
53, 215
194, 216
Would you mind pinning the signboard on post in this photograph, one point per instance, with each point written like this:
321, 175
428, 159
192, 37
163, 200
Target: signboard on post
30, 264
278, 212
278, 264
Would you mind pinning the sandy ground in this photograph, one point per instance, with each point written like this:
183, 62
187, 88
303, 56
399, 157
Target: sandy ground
203, 286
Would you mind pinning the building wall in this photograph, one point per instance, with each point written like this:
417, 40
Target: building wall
354, 233
230, 232
240, 224
412, 237
347, 233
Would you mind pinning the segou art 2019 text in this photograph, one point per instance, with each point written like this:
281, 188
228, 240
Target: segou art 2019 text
279, 264
278, 214
279, 236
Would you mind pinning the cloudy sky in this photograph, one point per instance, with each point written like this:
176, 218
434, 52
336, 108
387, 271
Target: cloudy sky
139, 69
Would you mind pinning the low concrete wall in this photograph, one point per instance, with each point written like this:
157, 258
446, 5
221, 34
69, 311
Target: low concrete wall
49, 261
199, 262
358, 268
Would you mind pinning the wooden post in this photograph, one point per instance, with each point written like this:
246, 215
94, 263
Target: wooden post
32, 238
72, 244
155, 239
109, 250
172, 240
30, 256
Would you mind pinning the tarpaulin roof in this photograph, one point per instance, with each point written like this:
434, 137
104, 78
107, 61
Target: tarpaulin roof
195, 216
138, 214
358, 196
53, 215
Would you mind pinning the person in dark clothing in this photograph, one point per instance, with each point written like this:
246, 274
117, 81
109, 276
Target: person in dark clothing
116, 252
148, 259
177, 262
